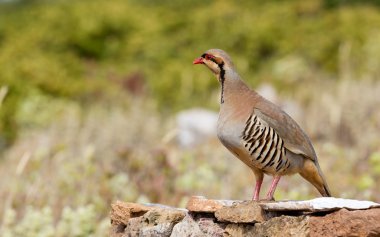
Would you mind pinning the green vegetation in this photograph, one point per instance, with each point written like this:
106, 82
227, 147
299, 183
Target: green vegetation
88, 89
71, 49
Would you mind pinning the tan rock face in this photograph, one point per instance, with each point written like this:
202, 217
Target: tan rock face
283, 226
201, 204
245, 212
238, 230
347, 223
156, 222
163, 215
131, 219
122, 211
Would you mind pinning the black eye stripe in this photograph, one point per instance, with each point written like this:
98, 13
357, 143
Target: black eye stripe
208, 56
211, 58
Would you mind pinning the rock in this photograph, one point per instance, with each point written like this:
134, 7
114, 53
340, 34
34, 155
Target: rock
278, 226
162, 229
195, 126
283, 226
319, 204
238, 230
318, 217
245, 212
210, 228
187, 228
164, 215
132, 228
147, 220
201, 204
347, 223
122, 211
156, 222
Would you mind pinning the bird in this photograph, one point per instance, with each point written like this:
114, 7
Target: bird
260, 133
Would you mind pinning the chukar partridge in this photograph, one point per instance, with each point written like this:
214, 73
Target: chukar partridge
258, 132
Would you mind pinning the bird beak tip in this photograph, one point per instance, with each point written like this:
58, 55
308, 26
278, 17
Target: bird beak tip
198, 61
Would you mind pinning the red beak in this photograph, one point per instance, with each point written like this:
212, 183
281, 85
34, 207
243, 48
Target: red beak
198, 61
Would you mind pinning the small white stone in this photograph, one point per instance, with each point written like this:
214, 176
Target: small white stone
195, 126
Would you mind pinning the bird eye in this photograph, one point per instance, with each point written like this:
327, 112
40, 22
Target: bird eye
208, 56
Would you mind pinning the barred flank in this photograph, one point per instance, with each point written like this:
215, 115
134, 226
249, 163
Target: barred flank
264, 145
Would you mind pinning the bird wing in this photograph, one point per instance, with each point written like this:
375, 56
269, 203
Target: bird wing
290, 132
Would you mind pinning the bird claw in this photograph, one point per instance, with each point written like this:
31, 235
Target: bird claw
264, 200
269, 199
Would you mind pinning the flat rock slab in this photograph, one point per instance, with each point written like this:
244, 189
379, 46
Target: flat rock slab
202, 204
243, 212
319, 204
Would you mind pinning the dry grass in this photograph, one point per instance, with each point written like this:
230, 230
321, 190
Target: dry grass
91, 159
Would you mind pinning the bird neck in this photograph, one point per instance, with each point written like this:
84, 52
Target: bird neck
232, 87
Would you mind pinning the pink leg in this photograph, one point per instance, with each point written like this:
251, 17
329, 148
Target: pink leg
275, 181
256, 192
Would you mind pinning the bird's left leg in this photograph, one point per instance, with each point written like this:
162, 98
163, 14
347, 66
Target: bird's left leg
273, 186
259, 180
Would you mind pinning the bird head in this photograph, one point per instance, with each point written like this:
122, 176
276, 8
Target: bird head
216, 60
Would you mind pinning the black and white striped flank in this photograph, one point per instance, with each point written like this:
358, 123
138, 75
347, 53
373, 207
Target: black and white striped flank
264, 145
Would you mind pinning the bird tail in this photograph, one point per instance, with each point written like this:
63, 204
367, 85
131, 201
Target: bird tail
325, 188
326, 191
312, 173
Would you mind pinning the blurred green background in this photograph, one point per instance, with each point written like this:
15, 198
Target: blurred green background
89, 92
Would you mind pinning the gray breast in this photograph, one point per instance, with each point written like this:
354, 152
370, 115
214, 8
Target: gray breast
229, 131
